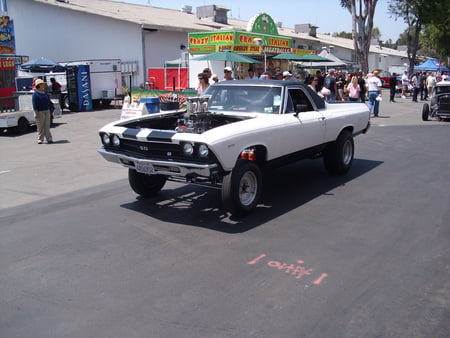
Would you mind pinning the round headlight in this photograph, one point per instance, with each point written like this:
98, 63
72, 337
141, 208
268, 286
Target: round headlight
115, 141
188, 149
106, 140
203, 150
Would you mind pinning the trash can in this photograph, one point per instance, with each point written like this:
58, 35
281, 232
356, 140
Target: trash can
152, 104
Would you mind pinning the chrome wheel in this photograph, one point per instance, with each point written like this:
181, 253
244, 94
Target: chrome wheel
248, 188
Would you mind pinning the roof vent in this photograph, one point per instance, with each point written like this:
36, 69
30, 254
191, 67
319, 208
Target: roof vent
215, 13
306, 28
279, 24
186, 9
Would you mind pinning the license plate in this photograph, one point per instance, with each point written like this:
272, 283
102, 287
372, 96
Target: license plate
144, 168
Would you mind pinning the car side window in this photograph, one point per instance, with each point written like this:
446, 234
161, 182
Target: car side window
298, 96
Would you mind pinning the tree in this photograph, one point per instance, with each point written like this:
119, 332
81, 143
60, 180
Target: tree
376, 33
345, 35
362, 12
418, 14
436, 32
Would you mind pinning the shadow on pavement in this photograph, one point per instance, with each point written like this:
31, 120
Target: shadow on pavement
284, 189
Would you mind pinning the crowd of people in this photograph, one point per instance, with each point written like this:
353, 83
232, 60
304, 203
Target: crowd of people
422, 83
335, 85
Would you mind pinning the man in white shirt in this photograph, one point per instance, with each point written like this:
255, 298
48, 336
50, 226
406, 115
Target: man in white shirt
374, 88
228, 74
431, 84
405, 84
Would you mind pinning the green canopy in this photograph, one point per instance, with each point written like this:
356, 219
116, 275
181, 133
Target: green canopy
313, 58
288, 56
226, 55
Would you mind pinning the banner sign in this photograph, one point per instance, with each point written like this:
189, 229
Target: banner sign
84, 88
261, 37
7, 64
237, 41
7, 40
262, 23
303, 51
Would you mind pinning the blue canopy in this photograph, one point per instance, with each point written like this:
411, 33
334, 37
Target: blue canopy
431, 65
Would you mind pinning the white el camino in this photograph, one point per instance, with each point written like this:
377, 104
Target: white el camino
227, 137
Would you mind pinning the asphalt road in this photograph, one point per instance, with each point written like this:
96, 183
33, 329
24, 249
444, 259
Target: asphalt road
364, 255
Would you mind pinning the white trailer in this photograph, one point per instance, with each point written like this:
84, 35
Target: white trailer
105, 78
20, 116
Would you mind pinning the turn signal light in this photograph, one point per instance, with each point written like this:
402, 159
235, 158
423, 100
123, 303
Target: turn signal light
248, 154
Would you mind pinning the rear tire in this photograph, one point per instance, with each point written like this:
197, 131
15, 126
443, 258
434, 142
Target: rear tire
241, 189
425, 112
145, 185
338, 158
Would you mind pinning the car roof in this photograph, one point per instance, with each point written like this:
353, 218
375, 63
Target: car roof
444, 83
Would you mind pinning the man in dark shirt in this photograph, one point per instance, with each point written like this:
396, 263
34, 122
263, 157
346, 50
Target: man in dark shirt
392, 86
330, 84
340, 84
41, 106
362, 85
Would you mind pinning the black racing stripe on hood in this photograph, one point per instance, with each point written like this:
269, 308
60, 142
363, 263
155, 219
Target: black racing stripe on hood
131, 133
157, 135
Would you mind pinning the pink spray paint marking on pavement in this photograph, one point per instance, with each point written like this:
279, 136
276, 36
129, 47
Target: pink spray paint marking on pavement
320, 279
297, 270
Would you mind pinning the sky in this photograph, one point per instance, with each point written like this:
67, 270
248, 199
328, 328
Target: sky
328, 15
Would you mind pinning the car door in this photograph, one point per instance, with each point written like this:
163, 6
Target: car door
306, 128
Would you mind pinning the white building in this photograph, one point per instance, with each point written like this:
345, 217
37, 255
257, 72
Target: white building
142, 36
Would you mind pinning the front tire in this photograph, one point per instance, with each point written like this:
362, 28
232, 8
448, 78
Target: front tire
338, 158
425, 112
241, 189
145, 185
22, 125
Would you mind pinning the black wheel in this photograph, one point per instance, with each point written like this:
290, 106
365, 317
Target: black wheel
242, 188
106, 103
22, 125
145, 185
338, 157
425, 111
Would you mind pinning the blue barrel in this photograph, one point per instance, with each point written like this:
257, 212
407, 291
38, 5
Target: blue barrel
152, 104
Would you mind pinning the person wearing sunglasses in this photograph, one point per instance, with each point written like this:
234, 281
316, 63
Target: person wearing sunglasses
228, 74
203, 83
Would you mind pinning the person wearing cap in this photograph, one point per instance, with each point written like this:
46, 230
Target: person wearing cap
374, 87
228, 74
287, 76
41, 107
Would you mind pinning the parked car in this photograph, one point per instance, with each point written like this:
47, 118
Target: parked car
439, 106
229, 136
386, 83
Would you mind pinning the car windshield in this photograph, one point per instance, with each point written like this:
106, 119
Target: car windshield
443, 89
251, 99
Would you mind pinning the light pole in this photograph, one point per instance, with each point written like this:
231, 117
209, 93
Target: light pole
259, 42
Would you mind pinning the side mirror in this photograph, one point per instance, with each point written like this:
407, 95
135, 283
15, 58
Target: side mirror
299, 108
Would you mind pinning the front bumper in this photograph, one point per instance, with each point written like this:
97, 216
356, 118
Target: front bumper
167, 168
